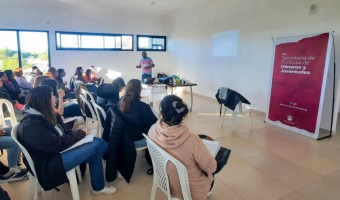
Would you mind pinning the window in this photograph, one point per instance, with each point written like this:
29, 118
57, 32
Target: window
24, 49
93, 41
151, 43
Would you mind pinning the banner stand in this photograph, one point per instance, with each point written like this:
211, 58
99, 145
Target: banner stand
333, 98
303, 94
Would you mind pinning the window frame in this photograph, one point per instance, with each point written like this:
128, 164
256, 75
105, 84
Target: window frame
18, 42
79, 34
151, 37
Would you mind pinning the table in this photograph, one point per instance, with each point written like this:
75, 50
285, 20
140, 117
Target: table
185, 85
151, 90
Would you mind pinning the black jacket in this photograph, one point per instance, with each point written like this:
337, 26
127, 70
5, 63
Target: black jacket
5, 95
44, 143
107, 95
138, 119
121, 153
232, 99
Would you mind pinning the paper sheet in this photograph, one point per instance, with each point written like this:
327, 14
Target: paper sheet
212, 146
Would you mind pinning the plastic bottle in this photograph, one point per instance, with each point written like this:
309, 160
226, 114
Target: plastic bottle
170, 81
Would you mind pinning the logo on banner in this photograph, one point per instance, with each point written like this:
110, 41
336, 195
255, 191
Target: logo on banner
290, 118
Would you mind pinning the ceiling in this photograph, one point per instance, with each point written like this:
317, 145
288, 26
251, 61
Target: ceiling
141, 6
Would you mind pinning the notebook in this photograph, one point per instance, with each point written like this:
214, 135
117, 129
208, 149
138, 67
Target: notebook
69, 119
88, 138
212, 146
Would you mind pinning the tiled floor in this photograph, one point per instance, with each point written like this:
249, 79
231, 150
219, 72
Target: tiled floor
266, 163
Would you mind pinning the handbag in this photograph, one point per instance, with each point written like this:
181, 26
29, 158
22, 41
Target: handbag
222, 155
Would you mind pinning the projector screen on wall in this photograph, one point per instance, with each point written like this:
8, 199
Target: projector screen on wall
225, 43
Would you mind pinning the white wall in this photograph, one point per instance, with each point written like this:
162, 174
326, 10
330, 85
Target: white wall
62, 16
190, 40
189, 32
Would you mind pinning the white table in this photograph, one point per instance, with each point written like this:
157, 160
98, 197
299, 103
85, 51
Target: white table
154, 92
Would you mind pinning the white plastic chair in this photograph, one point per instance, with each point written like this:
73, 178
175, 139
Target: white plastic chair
99, 112
33, 181
90, 121
239, 110
88, 95
10, 110
160, 158
101, 81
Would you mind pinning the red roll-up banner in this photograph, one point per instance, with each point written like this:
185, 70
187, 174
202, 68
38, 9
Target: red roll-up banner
299, 73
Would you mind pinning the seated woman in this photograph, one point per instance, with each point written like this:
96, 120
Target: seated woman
87, 77
136, 114
176, 139
13, 89
78, 75
79, 79
5, 95
124, 125
44, 135
21, 80
38, 79
53, 72
108, 94
69, 94
68, 109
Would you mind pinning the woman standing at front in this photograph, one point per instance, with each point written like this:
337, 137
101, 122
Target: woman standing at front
176, 139
44, 135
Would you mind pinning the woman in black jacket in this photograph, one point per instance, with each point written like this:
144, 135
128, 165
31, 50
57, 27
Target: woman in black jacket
136, 114
44, 135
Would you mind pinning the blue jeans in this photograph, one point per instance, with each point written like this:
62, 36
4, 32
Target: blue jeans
145, 76
90, 153
13, 149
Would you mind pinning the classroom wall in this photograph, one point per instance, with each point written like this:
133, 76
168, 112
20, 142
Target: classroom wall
66, 16
249, 72
189, 30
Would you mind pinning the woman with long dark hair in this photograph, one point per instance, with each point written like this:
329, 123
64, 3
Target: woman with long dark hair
137, 115
44, 135
78, 75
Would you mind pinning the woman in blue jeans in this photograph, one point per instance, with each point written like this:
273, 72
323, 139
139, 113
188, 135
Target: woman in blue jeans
44, 135
6, 142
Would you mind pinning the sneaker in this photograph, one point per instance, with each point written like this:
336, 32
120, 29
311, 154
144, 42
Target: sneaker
108, 190
16, 174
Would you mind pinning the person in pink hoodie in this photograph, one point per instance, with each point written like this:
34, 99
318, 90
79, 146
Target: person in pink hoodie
175, 138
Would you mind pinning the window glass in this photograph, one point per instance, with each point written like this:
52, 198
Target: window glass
33, 49
151, 43
90, 41
93, 41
